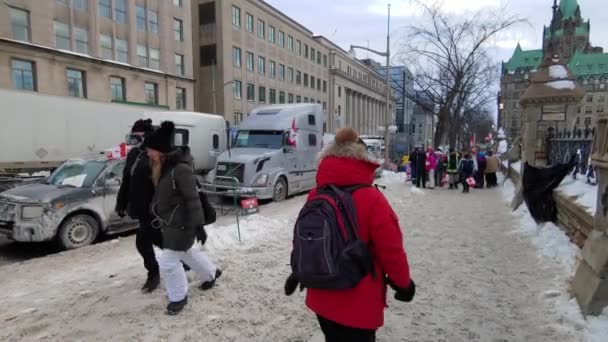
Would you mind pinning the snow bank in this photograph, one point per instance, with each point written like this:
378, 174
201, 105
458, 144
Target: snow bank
558, 72
562, 84
393, 177
417, 191
252, 230
516, 166
582, 193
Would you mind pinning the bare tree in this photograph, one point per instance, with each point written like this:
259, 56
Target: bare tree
449, 56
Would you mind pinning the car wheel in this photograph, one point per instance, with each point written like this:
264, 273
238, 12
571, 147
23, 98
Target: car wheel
280, 190
78, 231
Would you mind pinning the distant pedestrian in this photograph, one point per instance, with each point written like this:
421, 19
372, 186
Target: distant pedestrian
355, 311
431, 166
480, 170
467, 169
134, 198
440, 169
420, 166
492, 167
452, 168
178, 213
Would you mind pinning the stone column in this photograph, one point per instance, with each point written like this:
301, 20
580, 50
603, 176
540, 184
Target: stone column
353, 112
359, 112
368, 116
347, 106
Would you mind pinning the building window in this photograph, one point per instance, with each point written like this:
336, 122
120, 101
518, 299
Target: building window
281, 97
179, 65
80, 5
312, 54
272, 96
298, 48
236, 56
290, 75
237, 89
24, 74
117, 89
319, 57
587, 121
122, 53
81, 36
153, 21
601, 99
76, 83
107, 51
154, 59
262, 94
305, 79
325, 86
298, 99
238, 118
271, 33
324, 105
600, 109
589, 98
305, 51
177, 3
290, 98
298, 77
272, 67
318, 84
250, 92
180, 98
105, 9
325, 60
178, 28
249, 61
120, 11
312, 81
236, 16
151, 91
142, 55
281, 72
339, 91
281, 40
261, 28
305, 99
20, 24
141, 17
249, 23
290, 43
261, 65
62, 36
588, 110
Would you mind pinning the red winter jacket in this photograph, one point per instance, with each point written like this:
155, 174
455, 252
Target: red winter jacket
363, 306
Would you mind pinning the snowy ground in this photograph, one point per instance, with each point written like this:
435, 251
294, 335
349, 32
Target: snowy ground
479, 276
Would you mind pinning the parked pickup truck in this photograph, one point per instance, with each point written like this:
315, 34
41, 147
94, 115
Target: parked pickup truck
72, 206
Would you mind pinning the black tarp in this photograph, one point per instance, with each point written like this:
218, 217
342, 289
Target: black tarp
538, 184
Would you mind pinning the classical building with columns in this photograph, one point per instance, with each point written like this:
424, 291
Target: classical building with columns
247, 53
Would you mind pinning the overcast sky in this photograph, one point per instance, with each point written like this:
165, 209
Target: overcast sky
363, 22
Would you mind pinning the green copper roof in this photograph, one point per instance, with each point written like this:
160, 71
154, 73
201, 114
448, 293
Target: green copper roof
587, 64
568, 8
524, 59
580, 30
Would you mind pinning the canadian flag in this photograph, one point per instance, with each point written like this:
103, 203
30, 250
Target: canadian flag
118, 152
293, 134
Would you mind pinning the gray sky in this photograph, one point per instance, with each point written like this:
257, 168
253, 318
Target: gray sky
363, 22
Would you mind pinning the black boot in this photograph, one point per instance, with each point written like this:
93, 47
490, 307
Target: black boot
151, 283
176, 307
208, 285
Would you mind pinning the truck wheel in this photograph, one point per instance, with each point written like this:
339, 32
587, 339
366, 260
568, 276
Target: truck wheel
78, 231
280, 190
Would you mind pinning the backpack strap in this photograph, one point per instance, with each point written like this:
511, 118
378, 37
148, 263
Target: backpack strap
136, 162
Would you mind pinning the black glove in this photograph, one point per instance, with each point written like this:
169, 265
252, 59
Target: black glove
403, 294
121, 213
201, 234
291, 284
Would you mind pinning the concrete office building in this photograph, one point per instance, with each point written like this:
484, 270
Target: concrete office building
247, 53
135, 51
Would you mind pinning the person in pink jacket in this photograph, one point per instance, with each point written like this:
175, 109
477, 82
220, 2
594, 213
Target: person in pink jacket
431, 166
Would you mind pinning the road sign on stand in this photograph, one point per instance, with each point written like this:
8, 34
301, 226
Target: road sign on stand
250, 206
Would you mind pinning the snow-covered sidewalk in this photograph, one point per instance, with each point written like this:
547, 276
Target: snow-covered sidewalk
479, 279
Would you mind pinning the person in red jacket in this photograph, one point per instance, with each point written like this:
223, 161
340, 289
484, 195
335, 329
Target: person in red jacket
355, 314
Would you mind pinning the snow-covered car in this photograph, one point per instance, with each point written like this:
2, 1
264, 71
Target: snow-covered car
72, 206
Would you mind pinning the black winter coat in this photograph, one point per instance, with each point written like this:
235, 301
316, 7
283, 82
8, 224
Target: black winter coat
176, 205
136, 190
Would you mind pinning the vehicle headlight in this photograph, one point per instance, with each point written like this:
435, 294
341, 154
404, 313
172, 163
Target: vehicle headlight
31, 211
261, 180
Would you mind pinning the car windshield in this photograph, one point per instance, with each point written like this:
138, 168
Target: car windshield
76, 173
260, 139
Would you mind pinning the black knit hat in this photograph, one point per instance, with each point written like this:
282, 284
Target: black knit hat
142, 125
161, 140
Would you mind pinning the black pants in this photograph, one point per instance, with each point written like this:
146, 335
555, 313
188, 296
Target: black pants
491, 179
463, 180
145, 239
421, 178
335, 332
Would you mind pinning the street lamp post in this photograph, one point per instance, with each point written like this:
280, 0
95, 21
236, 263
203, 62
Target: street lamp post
387, 54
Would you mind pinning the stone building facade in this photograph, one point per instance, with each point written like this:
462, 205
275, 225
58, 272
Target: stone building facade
569, 34
248, 53
133, 51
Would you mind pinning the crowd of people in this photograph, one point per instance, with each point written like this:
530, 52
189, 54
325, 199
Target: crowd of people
430, 169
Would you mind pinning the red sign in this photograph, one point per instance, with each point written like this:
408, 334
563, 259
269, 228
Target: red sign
250, 206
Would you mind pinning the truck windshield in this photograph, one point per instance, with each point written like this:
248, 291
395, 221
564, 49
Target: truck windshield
260, 139
76, 173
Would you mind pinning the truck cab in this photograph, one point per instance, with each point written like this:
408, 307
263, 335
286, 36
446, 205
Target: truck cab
274, 154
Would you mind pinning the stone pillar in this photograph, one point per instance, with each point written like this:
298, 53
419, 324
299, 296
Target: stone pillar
368, 116
359, 112
347, 106
353, 112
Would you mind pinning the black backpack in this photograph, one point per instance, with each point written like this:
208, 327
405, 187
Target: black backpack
327, 252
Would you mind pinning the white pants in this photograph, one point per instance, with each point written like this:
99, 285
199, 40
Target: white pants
431, 183
173, 274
